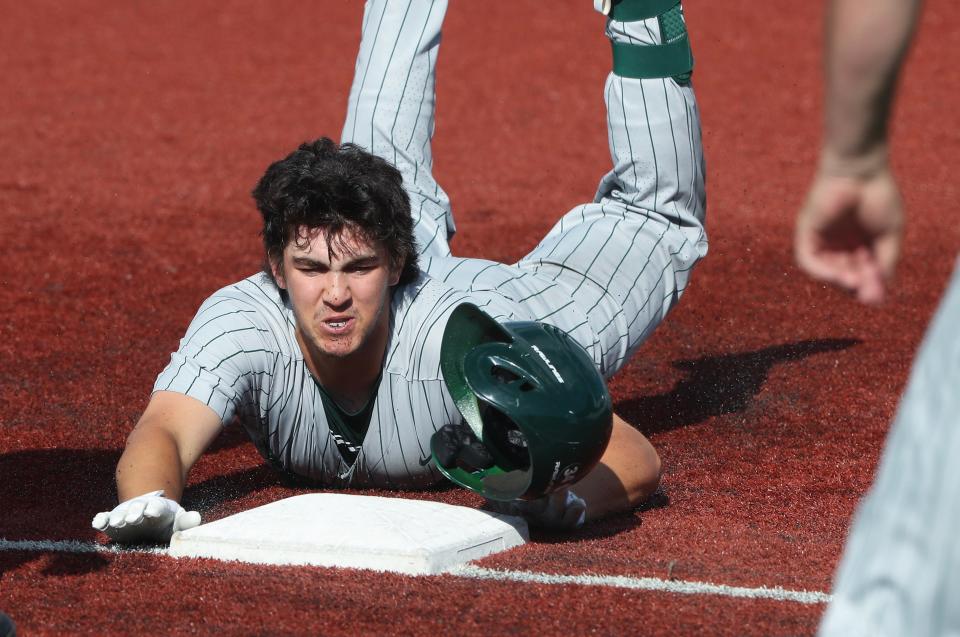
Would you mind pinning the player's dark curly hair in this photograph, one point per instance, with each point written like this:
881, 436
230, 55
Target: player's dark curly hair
336, 187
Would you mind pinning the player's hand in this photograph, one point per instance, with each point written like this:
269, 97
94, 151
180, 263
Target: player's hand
146, 518
850, 229
561, 510
457, 446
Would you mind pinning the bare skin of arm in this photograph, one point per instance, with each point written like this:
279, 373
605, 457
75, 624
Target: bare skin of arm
850, 227
169, 438
628, 473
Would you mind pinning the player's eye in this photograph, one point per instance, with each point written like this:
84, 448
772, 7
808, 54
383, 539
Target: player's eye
362, 267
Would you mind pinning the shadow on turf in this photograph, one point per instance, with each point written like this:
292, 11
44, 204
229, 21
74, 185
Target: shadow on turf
718, 385
53, 494
607, 527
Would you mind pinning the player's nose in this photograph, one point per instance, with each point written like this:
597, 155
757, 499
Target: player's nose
337, 289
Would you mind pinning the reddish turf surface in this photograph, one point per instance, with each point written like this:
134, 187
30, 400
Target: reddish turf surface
131, 135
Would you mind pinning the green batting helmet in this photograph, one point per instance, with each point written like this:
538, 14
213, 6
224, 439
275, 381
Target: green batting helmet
533, 397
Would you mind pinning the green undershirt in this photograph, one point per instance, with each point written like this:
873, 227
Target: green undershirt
348, 429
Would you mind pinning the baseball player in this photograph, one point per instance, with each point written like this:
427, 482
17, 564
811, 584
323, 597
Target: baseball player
332, 358
900, 571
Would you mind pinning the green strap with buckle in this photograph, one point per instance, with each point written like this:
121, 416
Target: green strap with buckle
648, 62
633, 10
673, 58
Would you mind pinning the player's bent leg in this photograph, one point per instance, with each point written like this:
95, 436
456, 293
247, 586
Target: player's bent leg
390, 110
623, 268
625, 259
628, 473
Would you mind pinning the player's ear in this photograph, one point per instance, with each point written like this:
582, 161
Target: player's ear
395, 271
276, 268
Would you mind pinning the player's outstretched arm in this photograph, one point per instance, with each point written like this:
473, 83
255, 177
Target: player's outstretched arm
169, 438
849, 229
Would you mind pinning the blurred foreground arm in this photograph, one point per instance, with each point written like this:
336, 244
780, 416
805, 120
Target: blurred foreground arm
850, 227
169, 438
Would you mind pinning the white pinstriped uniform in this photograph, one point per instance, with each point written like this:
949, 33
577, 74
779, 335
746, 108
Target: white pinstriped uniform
607, 273
900, 572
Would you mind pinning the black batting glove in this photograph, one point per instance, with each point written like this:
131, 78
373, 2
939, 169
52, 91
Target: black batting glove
457, 446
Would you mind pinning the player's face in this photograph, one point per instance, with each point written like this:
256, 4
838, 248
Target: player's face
341, 300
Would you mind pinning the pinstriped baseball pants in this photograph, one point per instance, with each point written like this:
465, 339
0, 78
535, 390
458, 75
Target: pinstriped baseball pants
625, 257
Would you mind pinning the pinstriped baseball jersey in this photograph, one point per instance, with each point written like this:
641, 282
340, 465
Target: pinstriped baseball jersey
607, 272
241, 358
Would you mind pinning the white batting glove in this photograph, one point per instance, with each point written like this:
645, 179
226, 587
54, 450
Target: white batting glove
145, 518
562, 510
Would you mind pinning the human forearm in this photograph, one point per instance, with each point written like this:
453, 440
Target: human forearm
150, 477
151, 461
169, 438
850, 227
865, 45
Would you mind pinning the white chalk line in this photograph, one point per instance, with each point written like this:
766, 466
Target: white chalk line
683, 587
74, 546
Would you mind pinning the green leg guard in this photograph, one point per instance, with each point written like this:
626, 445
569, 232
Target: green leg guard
673, 58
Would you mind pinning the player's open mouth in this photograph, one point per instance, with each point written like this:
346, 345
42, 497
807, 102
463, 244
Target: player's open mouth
338, 325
